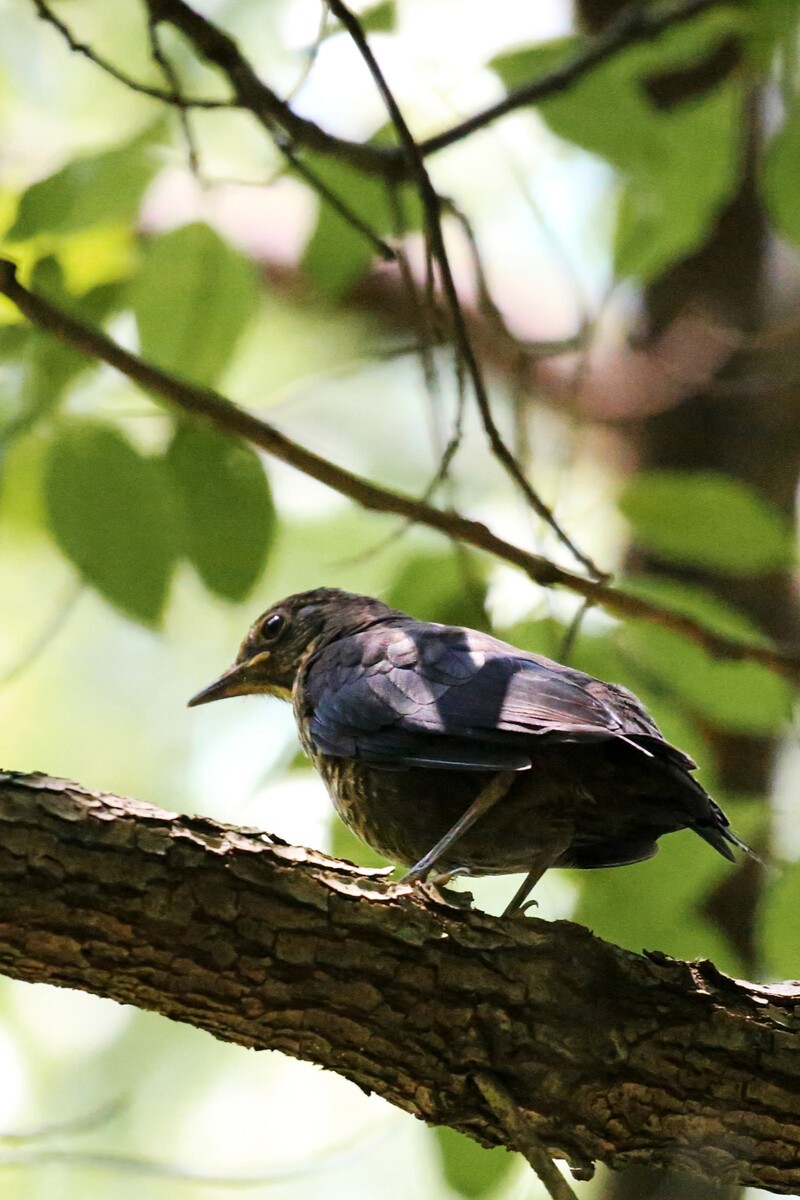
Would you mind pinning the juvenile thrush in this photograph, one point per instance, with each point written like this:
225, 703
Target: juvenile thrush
450, 751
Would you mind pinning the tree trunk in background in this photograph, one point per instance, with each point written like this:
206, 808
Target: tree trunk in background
748, 431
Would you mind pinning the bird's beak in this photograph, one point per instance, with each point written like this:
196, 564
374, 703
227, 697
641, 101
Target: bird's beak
236, 681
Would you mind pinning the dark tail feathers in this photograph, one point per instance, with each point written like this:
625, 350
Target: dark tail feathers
718, 833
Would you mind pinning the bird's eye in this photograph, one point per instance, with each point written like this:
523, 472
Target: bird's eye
272, 627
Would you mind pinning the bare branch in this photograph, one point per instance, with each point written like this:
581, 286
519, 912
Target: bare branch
637, 23
135, 85
223, 413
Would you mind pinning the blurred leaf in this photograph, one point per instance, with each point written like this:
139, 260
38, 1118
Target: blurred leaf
192, 299
113, 516
707, 519
679, 166
469, 1168
667, 206
379, 18
780, 928
774, 25
448, 587
782, 176
228, 516
739, 696
47, 365
702, 605
657, 904
337, 254
104, 189
527, 63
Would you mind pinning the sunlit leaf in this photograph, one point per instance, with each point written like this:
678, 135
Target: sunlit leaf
104, 189
378, 18
471, 1169
47, 366
192, 299
228, 517
679, 166
707, 519
112, 514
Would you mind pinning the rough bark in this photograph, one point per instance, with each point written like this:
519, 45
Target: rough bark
609, 1055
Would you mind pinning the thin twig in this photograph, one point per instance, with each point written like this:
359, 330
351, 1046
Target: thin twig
135, 85
210, 406
522, 1134
432, 205
571, 635
636, 24
171, 76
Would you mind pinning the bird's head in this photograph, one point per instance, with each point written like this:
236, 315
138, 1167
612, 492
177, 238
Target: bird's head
279, 642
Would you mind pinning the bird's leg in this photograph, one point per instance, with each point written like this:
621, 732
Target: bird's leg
542, 862
486, 799
517, 904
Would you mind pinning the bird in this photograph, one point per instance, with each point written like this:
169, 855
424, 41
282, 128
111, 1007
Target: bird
451, 752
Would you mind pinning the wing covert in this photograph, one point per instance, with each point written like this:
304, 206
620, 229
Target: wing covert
430, 695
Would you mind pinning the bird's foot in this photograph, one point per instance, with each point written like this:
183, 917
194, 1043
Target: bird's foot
520, 910
434, 890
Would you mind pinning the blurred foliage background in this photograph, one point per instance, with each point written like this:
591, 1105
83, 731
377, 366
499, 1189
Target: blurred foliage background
625, 254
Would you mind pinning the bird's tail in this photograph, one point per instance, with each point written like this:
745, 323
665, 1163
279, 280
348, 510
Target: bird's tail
718, 833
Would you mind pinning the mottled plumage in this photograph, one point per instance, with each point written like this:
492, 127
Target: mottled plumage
438, 738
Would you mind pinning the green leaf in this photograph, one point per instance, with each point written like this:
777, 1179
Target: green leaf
113, 516
192, 299
678, 166
689, 600
781, 178
657, 904
228, 516
527, 63
707, 519
337, 253
740, 696
469, 1168
379, 18
667, 205
103, 189
447, 587
50, 366
779, 925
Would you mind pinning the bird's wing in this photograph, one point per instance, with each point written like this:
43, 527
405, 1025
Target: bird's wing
432, 695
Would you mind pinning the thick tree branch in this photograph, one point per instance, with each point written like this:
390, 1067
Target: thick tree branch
445, 1012
224, 414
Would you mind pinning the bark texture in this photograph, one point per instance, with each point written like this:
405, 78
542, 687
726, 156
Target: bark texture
609, 1055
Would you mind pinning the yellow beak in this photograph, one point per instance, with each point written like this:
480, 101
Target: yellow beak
236, 681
